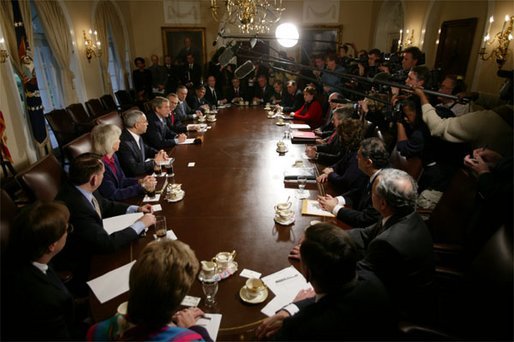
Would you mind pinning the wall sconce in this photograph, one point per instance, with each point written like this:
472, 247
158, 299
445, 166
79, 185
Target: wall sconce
3, 51
92, 44
501, 51
409, 38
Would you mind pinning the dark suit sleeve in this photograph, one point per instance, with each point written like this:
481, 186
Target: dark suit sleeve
384, 260
156, 139
128, 188
413, 146
362, 237
131, 164
358, 218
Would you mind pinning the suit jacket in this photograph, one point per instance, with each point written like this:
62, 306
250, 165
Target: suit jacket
263, 94
184, 112
191, 75
40, 306
89, 236
175, 124
362, 311
360, 211
131, 157
401, 254
231, 93
116, 186
210, 98
292, 103
347, 177
158, 135
195, 103
330, 152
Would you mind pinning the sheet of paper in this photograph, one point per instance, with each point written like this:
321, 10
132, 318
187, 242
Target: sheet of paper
117, 223
211, 322
312, 207
287, 282
190, 301
111, 284
276, 304
300, 126
246, 273
156, 207
156, 198
187, 141
191, 164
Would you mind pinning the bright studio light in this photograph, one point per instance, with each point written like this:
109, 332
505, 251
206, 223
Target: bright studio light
287, 35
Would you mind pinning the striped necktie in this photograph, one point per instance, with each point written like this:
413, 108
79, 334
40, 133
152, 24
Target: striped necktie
96, 205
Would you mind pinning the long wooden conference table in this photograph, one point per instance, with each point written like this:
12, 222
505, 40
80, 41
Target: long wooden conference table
230, 194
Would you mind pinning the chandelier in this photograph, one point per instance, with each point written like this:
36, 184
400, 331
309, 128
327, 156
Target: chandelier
250, 16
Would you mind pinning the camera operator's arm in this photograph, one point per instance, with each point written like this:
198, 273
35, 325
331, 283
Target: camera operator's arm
402, 134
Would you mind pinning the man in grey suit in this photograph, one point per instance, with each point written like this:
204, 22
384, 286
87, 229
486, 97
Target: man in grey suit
398, 249
183, 111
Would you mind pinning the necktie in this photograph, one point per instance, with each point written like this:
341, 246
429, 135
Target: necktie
96, 206
142, 147
331, 138
214, 95
172, 117
236, 93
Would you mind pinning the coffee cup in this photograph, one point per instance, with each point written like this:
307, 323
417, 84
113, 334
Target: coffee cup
283, 206
211, 117
285, 215
254, 287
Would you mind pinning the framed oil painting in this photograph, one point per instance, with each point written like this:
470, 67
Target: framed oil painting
179, 41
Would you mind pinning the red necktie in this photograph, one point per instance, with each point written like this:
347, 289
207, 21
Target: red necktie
332, 137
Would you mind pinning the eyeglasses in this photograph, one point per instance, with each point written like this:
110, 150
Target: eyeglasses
70, 228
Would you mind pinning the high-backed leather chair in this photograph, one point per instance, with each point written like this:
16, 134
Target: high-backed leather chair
108, 103
78, 146
42, 179
7, 214
413, 166
124, 99
95, 108
62, 125
80, 116
113, 118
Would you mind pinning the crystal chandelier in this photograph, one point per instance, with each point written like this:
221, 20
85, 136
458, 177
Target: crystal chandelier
250, 16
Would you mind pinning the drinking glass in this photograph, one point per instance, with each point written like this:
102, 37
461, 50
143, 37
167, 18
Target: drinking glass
150, 190
160, 227
210, 288
157, 169
302, 181
169, 169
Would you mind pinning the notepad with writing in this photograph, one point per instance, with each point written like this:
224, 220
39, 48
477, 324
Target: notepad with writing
312, 207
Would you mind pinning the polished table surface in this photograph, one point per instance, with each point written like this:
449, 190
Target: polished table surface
229, 202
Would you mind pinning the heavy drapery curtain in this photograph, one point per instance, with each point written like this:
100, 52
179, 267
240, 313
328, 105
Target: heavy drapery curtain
7, 16
107, 20
58, 36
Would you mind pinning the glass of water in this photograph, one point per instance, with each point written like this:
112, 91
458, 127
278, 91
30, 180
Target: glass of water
302, 181
210, 288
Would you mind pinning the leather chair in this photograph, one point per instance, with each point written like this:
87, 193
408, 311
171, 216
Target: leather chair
42, 179
78, 146
108, 103
8, 213
95, 108
63, 126
413, 166
80, 117
111, 118
124, 99
147, 107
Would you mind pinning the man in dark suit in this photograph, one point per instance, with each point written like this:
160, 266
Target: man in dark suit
348, 305
263, 92
39, 307
183, 111
173, 121
399, 247
158, 135
88, 208
191, 72
292, 99
235, 93
197, 101
357, 209
213, 93
134, 155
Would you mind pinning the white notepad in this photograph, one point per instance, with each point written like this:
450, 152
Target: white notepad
112, 283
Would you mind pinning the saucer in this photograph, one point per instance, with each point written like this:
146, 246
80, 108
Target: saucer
261, 297
280, 123
284, 223
180, 197
284, 151
211, 120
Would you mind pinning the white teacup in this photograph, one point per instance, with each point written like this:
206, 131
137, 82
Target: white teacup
283, 206
224, 258
211, 117
285, 215
254, 287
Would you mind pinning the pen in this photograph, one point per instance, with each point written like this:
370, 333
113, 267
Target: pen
206, 317
286, 278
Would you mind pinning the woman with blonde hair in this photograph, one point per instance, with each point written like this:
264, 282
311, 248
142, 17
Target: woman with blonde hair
158, 281
115, 185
